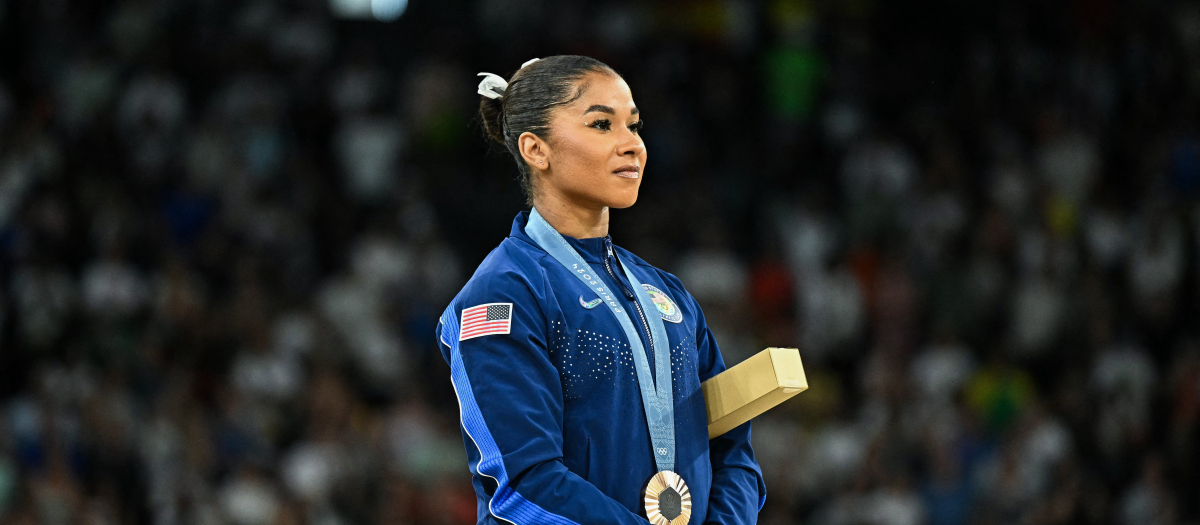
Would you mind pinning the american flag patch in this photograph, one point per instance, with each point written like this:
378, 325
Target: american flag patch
485, 319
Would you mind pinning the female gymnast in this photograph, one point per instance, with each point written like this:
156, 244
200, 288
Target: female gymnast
578, 365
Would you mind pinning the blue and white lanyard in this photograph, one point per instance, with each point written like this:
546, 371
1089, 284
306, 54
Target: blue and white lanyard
657, 397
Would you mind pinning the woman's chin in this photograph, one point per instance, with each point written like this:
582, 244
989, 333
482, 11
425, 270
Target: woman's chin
623, 200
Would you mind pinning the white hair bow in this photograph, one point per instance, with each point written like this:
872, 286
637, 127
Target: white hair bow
492, 86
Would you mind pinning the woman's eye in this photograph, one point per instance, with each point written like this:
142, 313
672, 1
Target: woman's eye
606, 125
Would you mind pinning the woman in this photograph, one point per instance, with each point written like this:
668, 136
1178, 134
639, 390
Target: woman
578, 365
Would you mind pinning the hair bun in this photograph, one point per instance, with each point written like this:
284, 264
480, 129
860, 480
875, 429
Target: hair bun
492, 112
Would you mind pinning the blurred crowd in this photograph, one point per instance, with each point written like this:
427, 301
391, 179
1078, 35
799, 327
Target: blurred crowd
228, 228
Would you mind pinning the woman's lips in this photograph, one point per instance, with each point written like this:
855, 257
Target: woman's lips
629, 171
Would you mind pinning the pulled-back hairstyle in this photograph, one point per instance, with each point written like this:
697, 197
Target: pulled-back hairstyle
532, 93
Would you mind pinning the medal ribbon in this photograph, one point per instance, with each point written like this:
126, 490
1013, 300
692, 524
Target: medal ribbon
657, 397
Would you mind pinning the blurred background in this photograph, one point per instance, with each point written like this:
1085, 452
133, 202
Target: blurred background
228, 228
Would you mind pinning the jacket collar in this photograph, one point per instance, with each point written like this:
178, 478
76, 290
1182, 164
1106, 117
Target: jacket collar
591, 249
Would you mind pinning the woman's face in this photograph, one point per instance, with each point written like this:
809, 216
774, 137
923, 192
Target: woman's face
595, 156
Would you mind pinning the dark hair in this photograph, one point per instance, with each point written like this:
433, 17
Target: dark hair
532, 93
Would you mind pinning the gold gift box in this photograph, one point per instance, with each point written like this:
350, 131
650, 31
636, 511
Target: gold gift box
754, 386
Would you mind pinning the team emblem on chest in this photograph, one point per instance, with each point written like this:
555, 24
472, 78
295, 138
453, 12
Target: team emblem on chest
666, 307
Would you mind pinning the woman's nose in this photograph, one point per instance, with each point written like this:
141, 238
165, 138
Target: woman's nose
632, 145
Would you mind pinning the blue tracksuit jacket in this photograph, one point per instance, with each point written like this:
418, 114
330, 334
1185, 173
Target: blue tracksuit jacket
551, 413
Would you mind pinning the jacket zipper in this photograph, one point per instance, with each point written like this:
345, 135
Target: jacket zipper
608, 254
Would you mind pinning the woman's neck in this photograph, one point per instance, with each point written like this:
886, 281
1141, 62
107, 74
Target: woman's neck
571, 219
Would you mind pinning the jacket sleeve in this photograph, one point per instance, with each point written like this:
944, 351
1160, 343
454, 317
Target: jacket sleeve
738, 491
511, 405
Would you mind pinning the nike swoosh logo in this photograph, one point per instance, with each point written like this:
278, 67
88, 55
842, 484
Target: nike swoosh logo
589, 304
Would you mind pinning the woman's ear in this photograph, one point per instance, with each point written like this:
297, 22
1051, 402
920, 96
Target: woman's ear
534, 150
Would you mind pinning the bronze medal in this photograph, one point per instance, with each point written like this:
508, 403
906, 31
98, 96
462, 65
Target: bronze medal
668, 500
